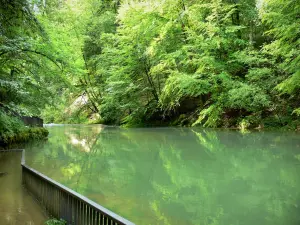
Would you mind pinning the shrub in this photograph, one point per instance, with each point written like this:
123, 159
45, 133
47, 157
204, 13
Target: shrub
55, 222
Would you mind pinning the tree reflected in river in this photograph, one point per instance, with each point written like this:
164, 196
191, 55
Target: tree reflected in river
178, 175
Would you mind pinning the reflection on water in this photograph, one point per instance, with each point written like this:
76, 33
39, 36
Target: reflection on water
178, 176
16, 206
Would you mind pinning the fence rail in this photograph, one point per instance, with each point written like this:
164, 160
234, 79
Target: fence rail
64, 203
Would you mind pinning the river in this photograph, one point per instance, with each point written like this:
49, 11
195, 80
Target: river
177, 175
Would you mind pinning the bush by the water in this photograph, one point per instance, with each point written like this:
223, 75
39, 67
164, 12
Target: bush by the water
27, 134
55, 222
13, 130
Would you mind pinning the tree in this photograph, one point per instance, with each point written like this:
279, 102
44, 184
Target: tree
282, 19
219, 63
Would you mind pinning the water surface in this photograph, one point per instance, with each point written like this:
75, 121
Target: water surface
178, 175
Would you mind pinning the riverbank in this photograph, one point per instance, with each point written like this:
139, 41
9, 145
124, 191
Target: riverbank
182, 121
24, 135
13, 130
270, 121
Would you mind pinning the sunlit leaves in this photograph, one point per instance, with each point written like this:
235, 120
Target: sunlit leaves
283, 19
28, 65
247, 97
138, 61
179, 86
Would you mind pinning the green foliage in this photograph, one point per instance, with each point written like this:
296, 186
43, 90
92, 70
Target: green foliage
13, 130
10, 125
29, 68
247, 97
179, 86
283, 19
156, 58
297, 112
139, 62
210, 116
55, 222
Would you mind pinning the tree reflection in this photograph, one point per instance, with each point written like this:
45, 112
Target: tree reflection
178, 176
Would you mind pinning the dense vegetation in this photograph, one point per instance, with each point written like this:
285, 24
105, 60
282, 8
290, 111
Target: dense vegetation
216, 63
23, 71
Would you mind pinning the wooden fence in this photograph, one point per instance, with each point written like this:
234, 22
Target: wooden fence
63, 203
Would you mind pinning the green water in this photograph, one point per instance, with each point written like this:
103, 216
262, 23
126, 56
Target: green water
178, 176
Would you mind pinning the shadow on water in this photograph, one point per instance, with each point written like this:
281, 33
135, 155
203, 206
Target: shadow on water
17, 207
178, 175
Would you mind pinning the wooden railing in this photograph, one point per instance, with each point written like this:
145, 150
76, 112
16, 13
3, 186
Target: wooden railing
63, 203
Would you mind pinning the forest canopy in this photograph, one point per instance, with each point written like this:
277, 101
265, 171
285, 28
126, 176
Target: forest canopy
213, 63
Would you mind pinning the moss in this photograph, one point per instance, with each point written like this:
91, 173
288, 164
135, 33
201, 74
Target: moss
24, 135
55, 222
13, 130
